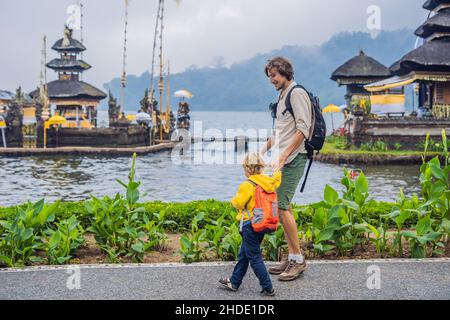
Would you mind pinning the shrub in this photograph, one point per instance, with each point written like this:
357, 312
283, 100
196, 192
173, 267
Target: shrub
192, 244
377, 146
61, 243
120, 225
20, 234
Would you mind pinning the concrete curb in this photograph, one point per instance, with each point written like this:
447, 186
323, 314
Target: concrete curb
213, 264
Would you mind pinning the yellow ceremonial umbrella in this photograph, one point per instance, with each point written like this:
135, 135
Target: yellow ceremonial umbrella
331, 108
55, 120
131, 117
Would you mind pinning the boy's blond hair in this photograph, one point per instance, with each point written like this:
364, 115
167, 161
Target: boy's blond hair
253, 163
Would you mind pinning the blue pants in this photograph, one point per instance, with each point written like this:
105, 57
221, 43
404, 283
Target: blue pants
250, 253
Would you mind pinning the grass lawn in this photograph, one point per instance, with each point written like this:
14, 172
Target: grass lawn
329, 148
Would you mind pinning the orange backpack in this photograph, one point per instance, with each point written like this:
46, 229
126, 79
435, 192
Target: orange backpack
265, 214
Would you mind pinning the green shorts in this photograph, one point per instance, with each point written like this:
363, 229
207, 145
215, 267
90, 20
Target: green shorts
291, 174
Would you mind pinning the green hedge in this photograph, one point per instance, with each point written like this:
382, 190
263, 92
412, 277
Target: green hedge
183, 213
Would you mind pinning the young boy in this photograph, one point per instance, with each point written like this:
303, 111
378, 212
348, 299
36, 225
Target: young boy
244, 202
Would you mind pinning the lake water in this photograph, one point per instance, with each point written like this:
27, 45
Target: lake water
73, 178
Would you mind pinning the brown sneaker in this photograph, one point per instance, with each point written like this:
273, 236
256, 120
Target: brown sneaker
293, 271
278, 269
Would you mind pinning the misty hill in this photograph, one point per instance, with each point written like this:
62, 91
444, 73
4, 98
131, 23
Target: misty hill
243, 86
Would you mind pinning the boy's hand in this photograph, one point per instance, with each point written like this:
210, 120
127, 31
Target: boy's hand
263, 151
278, 164
266, 147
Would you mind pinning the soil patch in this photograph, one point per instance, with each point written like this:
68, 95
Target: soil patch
91, 253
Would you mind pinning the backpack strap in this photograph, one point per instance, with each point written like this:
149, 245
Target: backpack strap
241, 224
253, 183
291, 110
288, 100
311, 159
274, 107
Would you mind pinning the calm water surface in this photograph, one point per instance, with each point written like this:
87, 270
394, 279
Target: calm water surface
75, 178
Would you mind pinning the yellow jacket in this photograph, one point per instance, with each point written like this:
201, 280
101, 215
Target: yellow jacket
246, 192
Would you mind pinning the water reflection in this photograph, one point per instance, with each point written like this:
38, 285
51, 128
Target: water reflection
72, 178
75, 178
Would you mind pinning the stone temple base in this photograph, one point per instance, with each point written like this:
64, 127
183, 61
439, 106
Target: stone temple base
121, 137
408, 131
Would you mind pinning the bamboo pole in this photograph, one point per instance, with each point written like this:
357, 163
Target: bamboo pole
123, 79
168, 99
3, 137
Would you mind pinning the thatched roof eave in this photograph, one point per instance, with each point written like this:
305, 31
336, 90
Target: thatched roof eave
432, 57
361, 67
72, 89
434, 4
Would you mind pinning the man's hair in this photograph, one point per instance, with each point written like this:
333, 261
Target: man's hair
253, 163
282, 65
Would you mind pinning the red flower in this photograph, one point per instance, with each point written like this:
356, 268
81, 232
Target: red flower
353, 174
342, 132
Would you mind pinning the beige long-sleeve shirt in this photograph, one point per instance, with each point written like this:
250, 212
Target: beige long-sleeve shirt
286, 125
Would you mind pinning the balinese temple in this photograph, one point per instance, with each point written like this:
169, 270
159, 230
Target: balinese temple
358, 72
20, 113
29, 121
5, 98
428, 65
75, 100
27, 104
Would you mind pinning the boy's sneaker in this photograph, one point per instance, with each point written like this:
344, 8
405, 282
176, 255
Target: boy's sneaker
226, 283
268, 293
293, 271
279, 269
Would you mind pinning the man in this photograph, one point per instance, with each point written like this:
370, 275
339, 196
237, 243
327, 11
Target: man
291, 134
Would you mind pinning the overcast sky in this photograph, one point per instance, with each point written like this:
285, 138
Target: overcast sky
197, 31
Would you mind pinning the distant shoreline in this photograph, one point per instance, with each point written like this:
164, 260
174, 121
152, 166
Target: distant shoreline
372, 158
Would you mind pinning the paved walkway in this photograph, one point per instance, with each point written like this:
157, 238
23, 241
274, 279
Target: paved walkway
399, 279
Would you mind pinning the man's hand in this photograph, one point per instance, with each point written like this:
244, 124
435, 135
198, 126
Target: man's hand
296, 142
278, 164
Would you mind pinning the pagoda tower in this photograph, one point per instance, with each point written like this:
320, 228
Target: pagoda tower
75, 100
358, 72
429, 64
